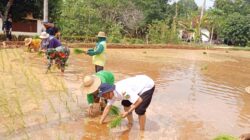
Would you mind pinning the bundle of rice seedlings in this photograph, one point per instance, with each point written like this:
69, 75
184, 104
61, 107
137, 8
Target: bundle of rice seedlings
114, 111
79, 51
225, 137
40, 53
117, 121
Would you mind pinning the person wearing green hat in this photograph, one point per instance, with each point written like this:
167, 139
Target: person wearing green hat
99, 52
91, 85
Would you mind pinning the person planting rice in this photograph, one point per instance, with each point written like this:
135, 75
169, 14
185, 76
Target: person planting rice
32, 44
91, 85
135, 93
54, 50
99, 52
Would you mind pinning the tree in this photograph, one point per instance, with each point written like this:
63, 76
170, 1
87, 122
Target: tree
236, 29
7, 10
212, 20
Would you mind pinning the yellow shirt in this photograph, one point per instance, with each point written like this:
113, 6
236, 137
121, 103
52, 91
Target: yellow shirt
35, 44
100, 59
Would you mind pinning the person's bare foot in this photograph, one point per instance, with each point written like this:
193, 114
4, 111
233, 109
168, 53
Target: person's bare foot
130, 125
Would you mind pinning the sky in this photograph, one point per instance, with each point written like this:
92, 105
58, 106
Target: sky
209, 3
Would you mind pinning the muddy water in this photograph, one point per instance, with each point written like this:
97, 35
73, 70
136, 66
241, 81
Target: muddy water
198, 96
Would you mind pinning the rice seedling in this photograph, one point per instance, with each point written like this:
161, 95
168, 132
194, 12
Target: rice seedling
67, 107
46, 118
59, 116
225, 137
114, 110
115, 122
79, 51
9, 128
40, 53
19, 108
2, 59
51, 105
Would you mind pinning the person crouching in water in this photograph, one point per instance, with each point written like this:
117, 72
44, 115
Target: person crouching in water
54, 49
91, 84
134, 92
99, 52
32, 44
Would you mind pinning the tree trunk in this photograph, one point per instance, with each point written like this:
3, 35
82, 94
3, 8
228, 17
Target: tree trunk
45, 10
201, 16
9, 4
212, 34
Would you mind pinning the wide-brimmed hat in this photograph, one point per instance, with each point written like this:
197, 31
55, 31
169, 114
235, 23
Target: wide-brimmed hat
44, 35
101, 34
91, 83
27, 41
105, 88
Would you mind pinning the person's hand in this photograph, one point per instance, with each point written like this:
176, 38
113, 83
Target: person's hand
90, 110
124, 114
245, 136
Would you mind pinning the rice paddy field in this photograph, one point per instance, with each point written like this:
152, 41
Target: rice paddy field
198, 95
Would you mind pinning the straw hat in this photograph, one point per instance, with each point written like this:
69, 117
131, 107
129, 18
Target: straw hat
247, 89
44, 35
91, 83
27, 41
101, 34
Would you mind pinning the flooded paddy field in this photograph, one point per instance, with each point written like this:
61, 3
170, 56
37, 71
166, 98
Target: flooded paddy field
198, 95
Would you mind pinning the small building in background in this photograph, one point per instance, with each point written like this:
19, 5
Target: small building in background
205, 35
28, 26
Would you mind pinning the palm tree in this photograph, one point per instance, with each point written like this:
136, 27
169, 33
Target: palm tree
198, 36
9, 4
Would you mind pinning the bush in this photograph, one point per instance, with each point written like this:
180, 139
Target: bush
248, 44
127, 40
22, 37
79, 39
115, 35
3, 37
159, 32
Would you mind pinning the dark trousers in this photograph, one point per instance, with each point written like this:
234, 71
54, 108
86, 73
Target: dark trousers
8, 35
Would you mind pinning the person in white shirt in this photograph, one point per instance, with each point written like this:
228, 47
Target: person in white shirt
134, 92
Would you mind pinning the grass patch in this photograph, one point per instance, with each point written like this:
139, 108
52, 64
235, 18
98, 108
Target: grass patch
225, 137
240, 48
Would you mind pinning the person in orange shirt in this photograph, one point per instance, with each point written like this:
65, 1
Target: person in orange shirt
32, 44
